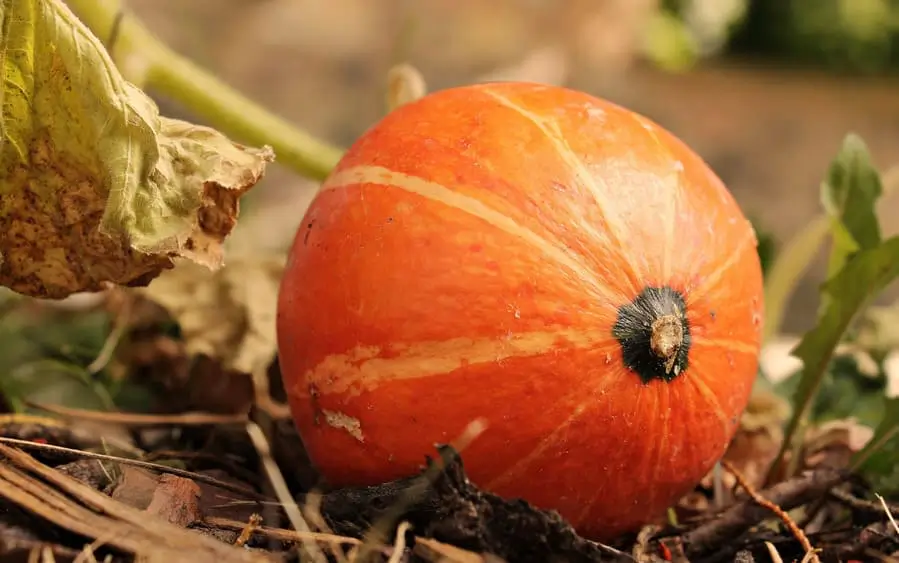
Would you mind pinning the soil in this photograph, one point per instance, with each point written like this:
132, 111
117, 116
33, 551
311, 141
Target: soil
210, 504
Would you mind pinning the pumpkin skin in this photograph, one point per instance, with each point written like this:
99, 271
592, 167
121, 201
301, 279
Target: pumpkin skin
500, 251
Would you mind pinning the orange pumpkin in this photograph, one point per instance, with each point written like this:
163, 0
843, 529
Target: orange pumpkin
545, 260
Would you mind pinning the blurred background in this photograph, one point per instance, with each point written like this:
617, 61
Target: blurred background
764, 90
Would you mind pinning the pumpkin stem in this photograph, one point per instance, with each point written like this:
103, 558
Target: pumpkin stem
666, 338
654, 334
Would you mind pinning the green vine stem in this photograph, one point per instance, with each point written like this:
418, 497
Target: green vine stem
149, 63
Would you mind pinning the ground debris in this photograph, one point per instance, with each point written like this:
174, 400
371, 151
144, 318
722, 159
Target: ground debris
225, 337
54, 431
22, 549
176, 499
511, 529
437, 515
119, 529
170, 497
91, 472
449, 508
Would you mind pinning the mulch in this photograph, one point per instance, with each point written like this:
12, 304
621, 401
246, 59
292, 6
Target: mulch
210, 492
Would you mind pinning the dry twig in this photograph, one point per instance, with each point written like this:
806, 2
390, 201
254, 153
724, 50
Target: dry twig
137, 419
25, 444
280, 534
281, 490
741, 516
867, 506
399, 545
247, 532
781, 513
71, 505
889, 513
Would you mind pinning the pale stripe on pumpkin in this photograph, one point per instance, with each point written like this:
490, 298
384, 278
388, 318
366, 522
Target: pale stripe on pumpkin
616, 232
669, 216
707, 283
442, 194
363, 369
663, 407
698, 381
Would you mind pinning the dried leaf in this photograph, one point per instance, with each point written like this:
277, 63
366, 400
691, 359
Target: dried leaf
172, 498
766, 411
757, 441
228, 314
95, 186
186, 366
135, 486
176, 500
832, 443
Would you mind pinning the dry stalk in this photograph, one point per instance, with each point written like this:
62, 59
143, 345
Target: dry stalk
76, 507
282, 491
781, 513
136, 419
199, 477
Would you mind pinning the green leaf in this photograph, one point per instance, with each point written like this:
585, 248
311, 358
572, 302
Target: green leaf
864, 275
845, 392
55, 382
879, 456
96, 186
849, 196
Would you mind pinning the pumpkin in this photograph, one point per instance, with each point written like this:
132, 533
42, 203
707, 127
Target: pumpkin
549, 262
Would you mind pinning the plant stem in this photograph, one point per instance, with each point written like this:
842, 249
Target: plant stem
146, 60
788, 269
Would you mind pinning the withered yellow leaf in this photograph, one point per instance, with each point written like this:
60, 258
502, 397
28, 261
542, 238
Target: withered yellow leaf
95, 186
227, 314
